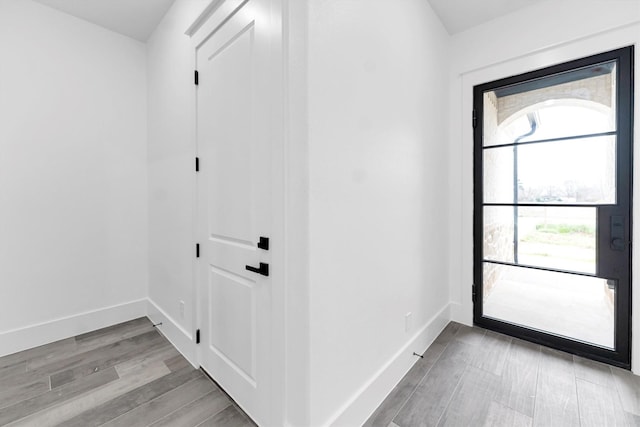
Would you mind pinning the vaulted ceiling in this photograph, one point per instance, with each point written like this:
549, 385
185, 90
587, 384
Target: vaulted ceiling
460, 15
138, 18
133, 18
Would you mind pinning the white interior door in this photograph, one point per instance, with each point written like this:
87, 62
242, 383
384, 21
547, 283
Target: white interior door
234, 207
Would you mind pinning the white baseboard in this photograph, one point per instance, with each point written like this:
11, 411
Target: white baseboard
39, 334
461, 313
360, 407
43, 333
180, 338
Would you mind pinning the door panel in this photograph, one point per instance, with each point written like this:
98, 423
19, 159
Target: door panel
572, 306
232, 308
554, 237
235, 207
543, 175
228, 71
552, 204
592, 85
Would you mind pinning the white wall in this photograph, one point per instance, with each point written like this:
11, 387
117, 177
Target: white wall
557, 31
171, 162
73, 199
378, 102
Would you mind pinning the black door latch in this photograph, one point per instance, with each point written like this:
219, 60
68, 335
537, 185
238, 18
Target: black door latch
263, 243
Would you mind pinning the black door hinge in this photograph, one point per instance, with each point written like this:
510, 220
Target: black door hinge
196, 77
473, 293
197, 336
197, 164
197, 250
475, 119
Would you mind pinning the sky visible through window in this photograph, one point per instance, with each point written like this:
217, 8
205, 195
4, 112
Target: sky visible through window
576, 170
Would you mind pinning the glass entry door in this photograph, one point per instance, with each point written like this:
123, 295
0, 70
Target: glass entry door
552, 206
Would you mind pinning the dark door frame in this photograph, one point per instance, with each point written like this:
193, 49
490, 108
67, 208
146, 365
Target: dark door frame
621, 356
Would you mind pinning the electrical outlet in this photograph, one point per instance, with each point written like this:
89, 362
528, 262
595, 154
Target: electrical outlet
182, 309
407, 322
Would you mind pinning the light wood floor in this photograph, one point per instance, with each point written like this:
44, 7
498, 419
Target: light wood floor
129, 375
473, 377
125, 375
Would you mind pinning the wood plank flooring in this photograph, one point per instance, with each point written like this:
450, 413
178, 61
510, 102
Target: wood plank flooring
129, 375
125, 375
474, 377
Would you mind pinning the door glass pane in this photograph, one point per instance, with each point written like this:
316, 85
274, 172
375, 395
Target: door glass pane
568, 305
498, 232
580, 171
561, 238
578, 102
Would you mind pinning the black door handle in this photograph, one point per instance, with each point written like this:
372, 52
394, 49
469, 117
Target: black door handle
616, 225
264, 269
617, 244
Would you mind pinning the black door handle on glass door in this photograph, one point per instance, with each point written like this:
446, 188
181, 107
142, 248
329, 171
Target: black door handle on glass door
617, 232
